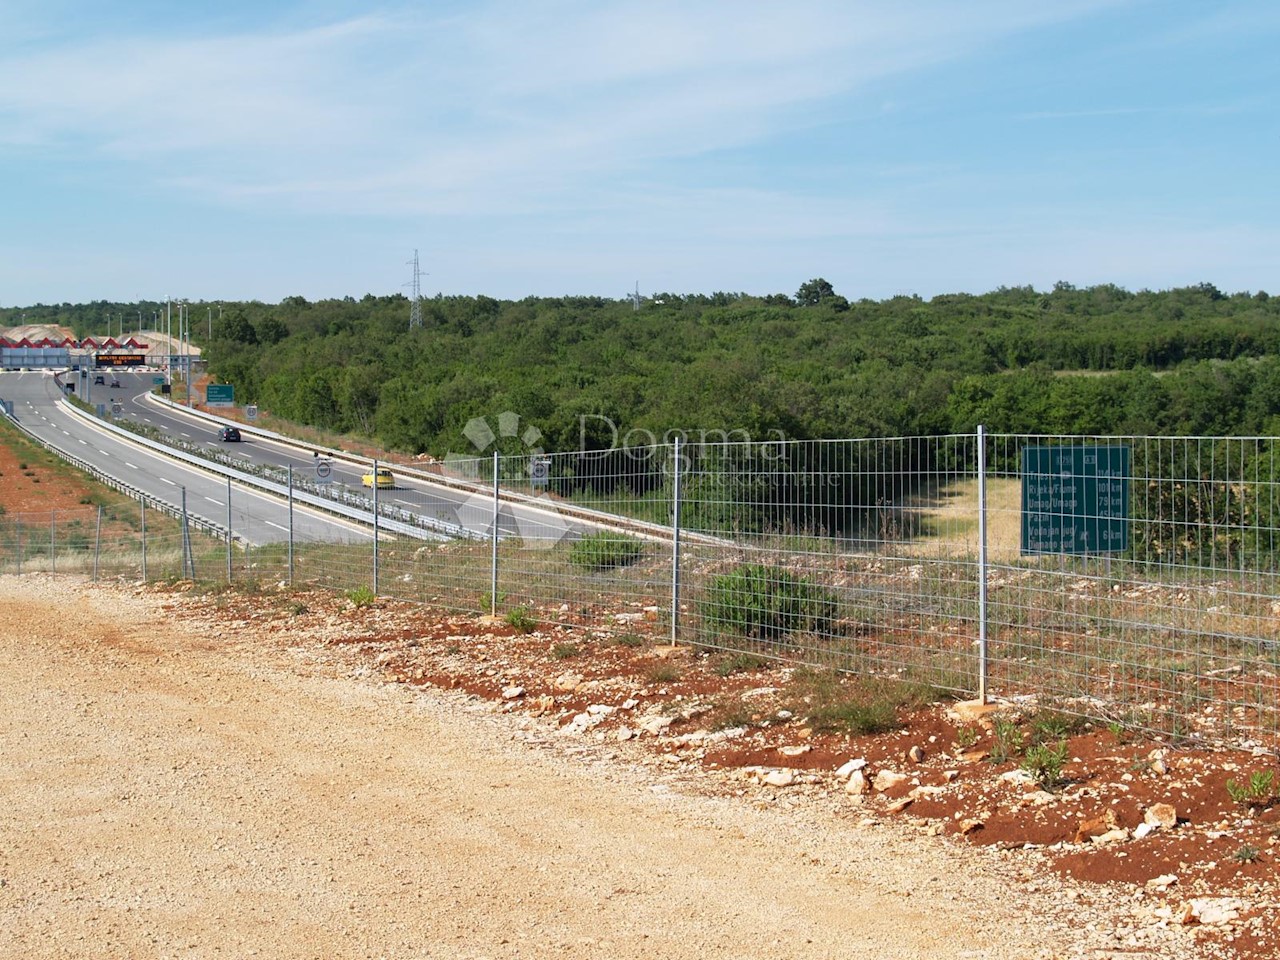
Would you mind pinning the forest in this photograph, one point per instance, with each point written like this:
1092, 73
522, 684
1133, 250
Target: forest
600, 378
593, 372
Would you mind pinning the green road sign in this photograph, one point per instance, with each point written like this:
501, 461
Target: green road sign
1075, 499
157, 380
221, 395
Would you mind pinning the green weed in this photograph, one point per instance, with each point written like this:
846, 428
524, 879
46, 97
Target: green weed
1045, 763
604, 551
361, 596
521, 618
767, 602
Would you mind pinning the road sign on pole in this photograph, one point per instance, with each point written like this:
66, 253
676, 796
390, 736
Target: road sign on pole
539, 471
324, 471
220, 395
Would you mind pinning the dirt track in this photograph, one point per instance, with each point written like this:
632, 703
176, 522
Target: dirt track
168, 794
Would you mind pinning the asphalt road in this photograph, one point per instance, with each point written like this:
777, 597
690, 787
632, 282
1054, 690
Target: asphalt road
256, 517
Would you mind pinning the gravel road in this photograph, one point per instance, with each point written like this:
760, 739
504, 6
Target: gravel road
168, 793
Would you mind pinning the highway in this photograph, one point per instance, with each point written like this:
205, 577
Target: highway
255, 516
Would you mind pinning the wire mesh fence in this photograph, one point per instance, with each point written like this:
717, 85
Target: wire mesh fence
1129, 579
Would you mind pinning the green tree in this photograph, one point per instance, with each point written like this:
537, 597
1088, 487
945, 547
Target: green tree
814, 292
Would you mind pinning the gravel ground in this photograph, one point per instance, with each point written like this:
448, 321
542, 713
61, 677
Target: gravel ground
170, 792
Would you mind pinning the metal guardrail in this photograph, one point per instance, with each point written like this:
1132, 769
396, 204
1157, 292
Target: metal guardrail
351, 507
561, 508
204, 524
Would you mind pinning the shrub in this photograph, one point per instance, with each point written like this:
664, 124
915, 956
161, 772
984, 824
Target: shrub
629, 640
522, 620
767, 602
1007, 741
740, 663
1256, 793
603, 551
663, 673
564, 651
361, 596
1045, 763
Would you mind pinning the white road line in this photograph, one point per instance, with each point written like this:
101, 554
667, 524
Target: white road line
168, 481
128, 464
184, 433
276, 525
107, 452
85, 442
65, 434
407, 503
211, 500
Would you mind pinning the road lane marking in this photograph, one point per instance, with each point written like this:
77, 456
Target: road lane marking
128, 464
211, 500
168, 481
269, 523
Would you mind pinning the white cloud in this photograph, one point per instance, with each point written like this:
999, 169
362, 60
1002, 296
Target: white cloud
513, 106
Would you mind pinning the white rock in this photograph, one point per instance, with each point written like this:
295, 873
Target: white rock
600, 709
850, 766
1038, 798
654, 725
1161, 815
1214, 910
1162, 882
857, 784
512, 693
794, 750
1117, 835
567, 682
887, 779
925, 791
779, 778
625, 733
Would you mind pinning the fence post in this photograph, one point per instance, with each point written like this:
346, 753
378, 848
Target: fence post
982, 564
19, 557
188, 561
142, 507
53, 542
291, 524
97, 544
375, 527
675, 545
493, 541
228, 523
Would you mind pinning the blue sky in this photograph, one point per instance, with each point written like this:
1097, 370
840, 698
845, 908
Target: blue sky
262, 150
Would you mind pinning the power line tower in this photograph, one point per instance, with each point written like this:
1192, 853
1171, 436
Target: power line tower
636, 299
415, 308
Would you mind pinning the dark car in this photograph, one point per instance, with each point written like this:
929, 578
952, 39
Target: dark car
115, 383
99, 378
229, 434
